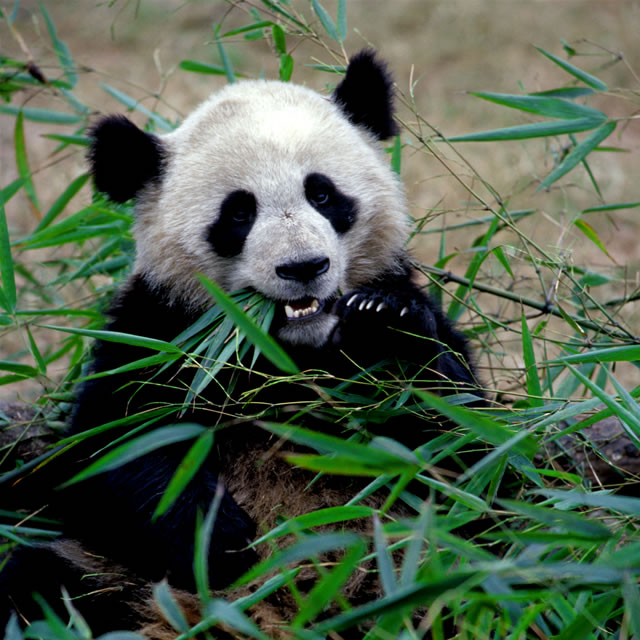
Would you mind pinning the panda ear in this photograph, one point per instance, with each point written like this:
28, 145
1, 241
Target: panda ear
123, 158
366, 95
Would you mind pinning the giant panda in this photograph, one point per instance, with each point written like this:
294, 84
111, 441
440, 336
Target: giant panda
282, 190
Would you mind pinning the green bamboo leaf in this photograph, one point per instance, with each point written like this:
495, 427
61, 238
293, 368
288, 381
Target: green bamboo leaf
63, 200
343, 465
263, 24
612, 207
135, 105
383, 558
396, 156
201, 67
590, 232
543, 106
35, 352
9, 191
82, 141
565, 92
498, 252
587, 78
229, 614
553, 517
22, 162
41, 115
631, 594
487, 429
204, 530
23, 370
306, 548
342, 20
420, 593
578, 153
535, 130
117, 336
595, 499
286, 67
325, 589
61, 50
325, 19
279, 39
318, 518
138, 447
534, 390
275, 6
169, 607
357, 452
8, 291
189, 466
582, 625
267, 345
226, 62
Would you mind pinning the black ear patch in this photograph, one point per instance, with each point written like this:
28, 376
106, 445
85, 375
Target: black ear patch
366, 95
123, 158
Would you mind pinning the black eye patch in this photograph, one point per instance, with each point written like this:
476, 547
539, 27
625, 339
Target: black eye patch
237, 215
329, 201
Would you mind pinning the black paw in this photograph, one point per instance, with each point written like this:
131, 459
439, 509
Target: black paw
367, 311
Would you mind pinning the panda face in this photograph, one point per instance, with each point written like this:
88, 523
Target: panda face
271, 186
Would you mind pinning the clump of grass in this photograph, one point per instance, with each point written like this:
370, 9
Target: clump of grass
557, 555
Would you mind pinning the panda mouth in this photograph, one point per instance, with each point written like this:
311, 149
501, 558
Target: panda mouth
303, 308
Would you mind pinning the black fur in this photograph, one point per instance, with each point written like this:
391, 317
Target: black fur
366, 95
235, 219
330, 202
123, 158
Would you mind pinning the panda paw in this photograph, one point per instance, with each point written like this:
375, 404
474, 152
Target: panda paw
369, 310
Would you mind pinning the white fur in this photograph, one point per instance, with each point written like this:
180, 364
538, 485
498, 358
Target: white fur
266, 137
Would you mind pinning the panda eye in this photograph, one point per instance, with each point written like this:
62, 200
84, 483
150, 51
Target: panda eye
239, 208
319, 190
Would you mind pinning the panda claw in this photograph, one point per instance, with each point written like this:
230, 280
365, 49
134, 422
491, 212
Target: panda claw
404, 311
380, 307
369, 305
362, 305
351, 299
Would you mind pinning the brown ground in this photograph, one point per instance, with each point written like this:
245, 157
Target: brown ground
446, 47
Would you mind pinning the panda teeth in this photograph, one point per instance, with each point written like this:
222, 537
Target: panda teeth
301, 313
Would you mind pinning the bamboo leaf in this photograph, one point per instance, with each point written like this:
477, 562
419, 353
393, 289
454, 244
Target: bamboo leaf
590, 232
8, 298
578, 153
169, 607
135, 105
342, 20
41, 115
138, 447
267, 345
189, 466
549, 107
534, 130
534, 390
325, 19
201, 67
385, 565
587, 78
117, 336
61, 50
226, 62
22, 162
63, 200
250, 27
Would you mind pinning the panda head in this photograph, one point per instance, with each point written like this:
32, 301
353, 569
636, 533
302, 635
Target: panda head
266, 185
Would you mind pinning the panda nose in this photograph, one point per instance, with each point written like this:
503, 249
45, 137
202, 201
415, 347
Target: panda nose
303, 271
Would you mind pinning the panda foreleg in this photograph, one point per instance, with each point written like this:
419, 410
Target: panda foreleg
394, 319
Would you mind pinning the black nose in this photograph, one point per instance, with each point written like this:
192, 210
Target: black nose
303, 271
